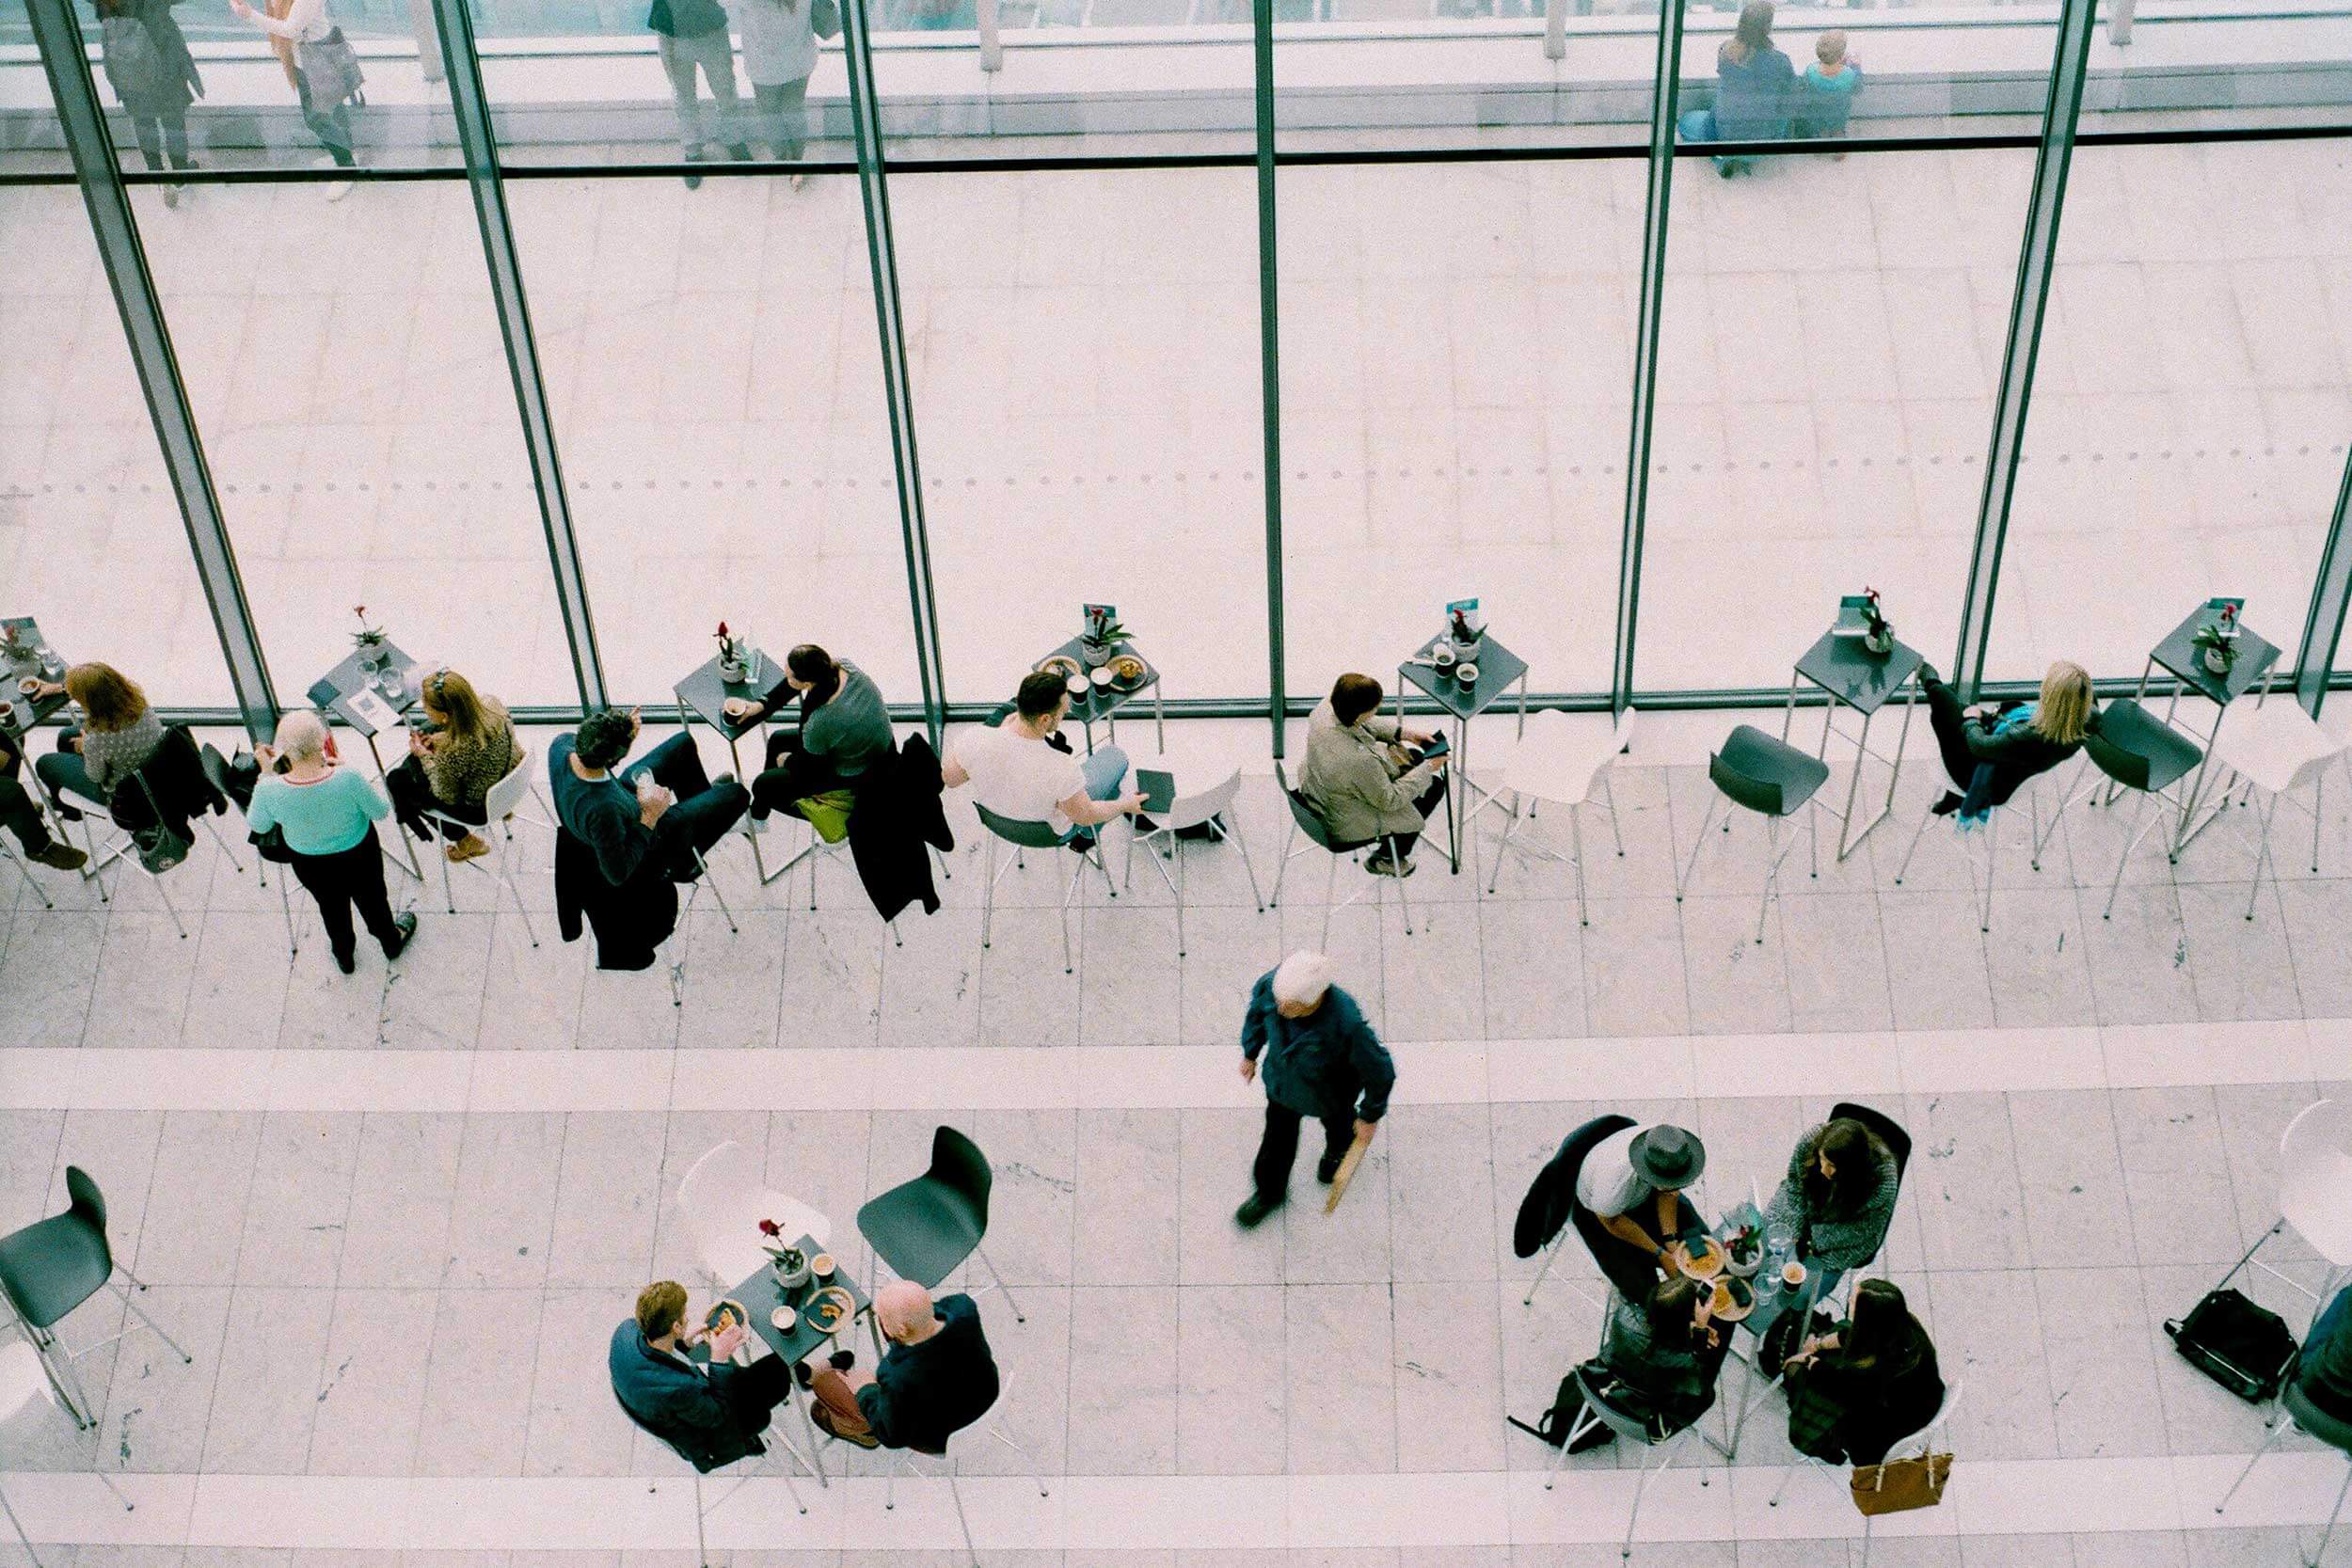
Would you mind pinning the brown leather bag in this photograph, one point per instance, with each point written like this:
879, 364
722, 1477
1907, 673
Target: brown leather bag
1900, 1485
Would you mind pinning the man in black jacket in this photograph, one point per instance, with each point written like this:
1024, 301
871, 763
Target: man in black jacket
937, 1378
1322, 1060
711, 1412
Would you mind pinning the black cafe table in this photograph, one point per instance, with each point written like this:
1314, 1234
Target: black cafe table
1857, 679
2178, 655
760, 1296
26, 634
336, 695
1499, 670
702, 694
1103, 701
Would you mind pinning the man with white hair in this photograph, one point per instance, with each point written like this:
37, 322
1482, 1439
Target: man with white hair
1322, 1060
937, 1378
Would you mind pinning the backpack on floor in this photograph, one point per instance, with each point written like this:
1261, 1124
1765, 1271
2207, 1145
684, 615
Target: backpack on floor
2244, 1348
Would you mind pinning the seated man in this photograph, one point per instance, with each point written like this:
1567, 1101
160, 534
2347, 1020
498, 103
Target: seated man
22, 818
1357, 782
1633, 1181
937, 1378
711, 1412
663, 805
1015, 773
2325, 1370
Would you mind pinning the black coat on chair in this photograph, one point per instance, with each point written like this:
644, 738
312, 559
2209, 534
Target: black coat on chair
897, 812
631, 920
1551, 1202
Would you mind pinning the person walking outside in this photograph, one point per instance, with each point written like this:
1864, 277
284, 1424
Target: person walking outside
1321, 1060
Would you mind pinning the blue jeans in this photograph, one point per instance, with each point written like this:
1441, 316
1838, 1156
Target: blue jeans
1104, 772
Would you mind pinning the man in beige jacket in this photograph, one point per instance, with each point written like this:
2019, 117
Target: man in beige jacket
1352, 780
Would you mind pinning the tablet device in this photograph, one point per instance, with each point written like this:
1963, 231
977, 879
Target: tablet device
1159, 790
1437, 748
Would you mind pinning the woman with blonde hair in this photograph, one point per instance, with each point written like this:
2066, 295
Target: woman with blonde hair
1991, 754
117, 734
464, 744
329, 814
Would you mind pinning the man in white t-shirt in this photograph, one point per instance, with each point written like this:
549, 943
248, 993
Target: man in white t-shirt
1633, 1183
1015, 773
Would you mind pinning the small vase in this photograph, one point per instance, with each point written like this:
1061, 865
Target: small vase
1879, 643
2217, 661
1095, 654
733, 671
790, 1278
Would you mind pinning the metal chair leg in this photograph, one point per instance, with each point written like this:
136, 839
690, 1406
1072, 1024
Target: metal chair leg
1330, 890
1683, 882
1017, 1315
702, 1547
964, 1524
30, 880
164, 893
1550, 1253
1282, 871
2131, 842
1576, 841
988, 900
1609, 793
997, 1432
1242, 844
1402, 903
1916, 834
2276, 1432
30, 1556
2262, 858
703, 869
1772, 875
2321, 1555
1510, 826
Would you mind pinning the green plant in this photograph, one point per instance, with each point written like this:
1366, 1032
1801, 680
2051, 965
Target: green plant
366, 636
2212, 639
1108, 634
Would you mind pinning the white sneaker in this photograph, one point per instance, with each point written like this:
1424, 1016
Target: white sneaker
341, 188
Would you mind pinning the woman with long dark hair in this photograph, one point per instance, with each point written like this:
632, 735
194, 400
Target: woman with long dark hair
845, 725
148, 64
1838, 1197
1866, 1385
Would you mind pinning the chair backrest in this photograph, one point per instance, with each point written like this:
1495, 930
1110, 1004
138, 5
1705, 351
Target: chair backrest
1303, 814
2127, 768
86, 1204
1192, 810
958, 1165
1758, 795
1923, 1440
215, 768
1890, 1131
1616, 1421
2315, 1178
508, 793
1028, 835
728, 1168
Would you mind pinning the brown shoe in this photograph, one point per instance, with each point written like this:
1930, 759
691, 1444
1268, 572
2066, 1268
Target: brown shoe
61, 857
472, 846
823, 1415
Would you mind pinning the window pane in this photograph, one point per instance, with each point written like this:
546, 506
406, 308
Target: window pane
1085, 354
2186, 436
91, 543
1833, 331
351, 385
1454, 415
714, 375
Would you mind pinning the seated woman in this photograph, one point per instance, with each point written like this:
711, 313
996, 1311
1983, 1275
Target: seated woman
468, 746
845, 725
328, 813
1838, 1197
116, 736
1357, 782
1662, 1356
1866, 1385
1990, 757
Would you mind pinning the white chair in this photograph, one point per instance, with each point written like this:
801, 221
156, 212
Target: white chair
1039, 836
1558, 762
1303, 819
1212, 808
724, 1196
21, 1383
498, 807
2314, 1194
2279, 750
677, 933
1919, 1444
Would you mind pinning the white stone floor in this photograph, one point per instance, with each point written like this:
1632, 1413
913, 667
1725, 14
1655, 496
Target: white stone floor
1455, 353
395, 1216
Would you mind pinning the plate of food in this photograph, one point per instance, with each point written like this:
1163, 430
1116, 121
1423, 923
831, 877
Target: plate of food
1062, 665
829, 1309
722, 1316
1702, 1256
1127, 670
1734, 1298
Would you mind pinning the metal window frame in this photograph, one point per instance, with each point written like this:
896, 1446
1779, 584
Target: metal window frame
1270, 371
82, 121
2323, 626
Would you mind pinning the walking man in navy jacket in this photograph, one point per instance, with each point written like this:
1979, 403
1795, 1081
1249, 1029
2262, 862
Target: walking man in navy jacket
1321, 1060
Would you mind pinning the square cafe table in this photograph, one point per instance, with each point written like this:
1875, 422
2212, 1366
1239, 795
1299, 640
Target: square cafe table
2257, 663
1499, 670
333, 694
702, 695
1103, 701
1864, 681
761, 1296
29, 711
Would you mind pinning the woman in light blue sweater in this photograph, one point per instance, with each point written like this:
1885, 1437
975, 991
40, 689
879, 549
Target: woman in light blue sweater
328, 816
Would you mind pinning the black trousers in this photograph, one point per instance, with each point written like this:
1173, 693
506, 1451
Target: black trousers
1950, 725
21, 817
353, 877
790, 777
704, 811
753, 1392
412, 795
1279, 1148
1431, 799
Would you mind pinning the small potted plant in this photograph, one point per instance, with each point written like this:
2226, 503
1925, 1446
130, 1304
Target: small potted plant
2216, 640
1743, 1252
732, 666
1100, 640
790, 1263
369, 639
13, 647
1878, 632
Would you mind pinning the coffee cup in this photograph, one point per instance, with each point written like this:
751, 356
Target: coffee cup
822, 1265
1101, 677
8, 714
783, 1318
1466, 674
1792, 1275
1442, 658
29, 686
1077, 685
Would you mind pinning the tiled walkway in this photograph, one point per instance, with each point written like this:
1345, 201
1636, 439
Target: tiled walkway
395, 1220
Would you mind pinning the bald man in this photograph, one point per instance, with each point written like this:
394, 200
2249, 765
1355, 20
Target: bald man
937, 1378
1322, 1060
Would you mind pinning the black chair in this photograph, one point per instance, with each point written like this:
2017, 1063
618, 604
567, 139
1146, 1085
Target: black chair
267, 849
53, 1265
176, 770
1773, 779
2142, 753
923, 1228
1304, 819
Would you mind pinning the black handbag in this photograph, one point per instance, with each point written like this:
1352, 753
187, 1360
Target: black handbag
2245, 1348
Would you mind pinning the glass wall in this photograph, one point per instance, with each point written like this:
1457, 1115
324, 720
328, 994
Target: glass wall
1462, 242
